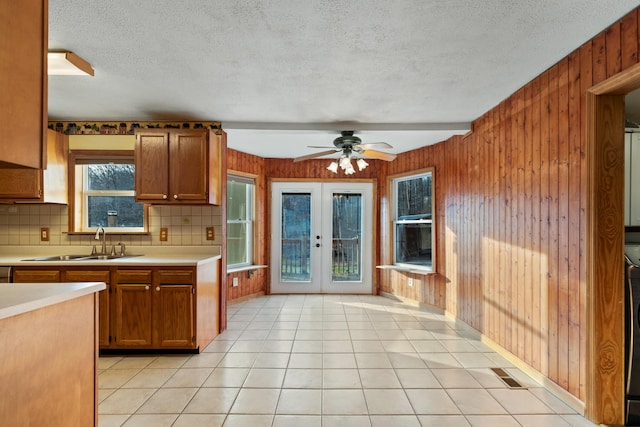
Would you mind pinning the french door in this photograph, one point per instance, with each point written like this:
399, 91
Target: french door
321, 237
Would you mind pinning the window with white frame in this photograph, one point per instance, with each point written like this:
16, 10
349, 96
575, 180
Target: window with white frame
240, 191
104, 194
413, 221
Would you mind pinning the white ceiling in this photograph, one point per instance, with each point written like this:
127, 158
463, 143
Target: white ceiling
283, 74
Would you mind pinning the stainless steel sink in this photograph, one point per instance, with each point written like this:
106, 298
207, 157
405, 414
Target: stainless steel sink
57, 258
100, 257
79, 257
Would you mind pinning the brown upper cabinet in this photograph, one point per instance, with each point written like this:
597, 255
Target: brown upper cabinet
23, 79
175, 166
22, 185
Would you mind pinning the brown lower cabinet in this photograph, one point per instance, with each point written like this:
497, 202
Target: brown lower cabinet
154, 308
147, 307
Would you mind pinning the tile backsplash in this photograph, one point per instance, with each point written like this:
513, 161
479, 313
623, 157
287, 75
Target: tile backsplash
20, 226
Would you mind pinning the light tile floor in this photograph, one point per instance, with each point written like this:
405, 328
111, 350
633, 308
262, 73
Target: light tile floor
327, 360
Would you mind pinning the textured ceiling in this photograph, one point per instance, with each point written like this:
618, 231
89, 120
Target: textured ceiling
282, 74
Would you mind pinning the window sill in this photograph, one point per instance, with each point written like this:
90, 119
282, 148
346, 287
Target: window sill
406, 269
245, 268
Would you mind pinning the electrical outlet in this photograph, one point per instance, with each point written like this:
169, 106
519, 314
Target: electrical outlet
235, 282
164, 234
186, 221
210, 235
410, 281
44, 234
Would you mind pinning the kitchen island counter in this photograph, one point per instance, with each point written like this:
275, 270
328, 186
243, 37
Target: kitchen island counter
49, 354
15, 300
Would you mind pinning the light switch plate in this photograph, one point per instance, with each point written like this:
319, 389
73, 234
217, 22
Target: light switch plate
164, 234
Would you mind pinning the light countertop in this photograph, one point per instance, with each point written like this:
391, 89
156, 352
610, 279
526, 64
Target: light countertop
19, 298
165, 256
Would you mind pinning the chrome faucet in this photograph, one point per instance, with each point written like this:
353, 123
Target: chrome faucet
122, 249
103, 244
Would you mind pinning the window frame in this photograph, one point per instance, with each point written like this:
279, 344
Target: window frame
78, 194
393, 186
250, 217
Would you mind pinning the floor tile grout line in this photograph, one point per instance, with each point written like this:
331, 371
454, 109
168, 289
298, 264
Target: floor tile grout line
349, 332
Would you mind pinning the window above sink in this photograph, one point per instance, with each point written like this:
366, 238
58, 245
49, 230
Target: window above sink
103, 189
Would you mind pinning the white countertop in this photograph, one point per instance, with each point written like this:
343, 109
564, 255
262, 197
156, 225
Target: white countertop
19, 298
149, 255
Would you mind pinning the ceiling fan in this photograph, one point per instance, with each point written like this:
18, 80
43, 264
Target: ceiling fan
351, 145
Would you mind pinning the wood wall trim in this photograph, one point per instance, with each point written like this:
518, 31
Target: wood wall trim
604, 258
619, 84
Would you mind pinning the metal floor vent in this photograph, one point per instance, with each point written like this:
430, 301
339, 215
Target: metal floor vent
506, 378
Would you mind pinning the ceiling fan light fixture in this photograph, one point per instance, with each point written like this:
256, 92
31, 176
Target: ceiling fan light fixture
362, 164
349, 170
345, 162
333, 166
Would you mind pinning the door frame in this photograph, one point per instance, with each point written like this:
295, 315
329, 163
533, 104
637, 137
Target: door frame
375, 222
604, 307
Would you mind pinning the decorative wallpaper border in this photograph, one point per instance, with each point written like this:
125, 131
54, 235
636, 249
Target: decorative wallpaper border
123, 128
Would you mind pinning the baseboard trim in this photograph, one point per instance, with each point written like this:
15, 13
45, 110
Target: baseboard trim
569, 399
412, 302
245, 298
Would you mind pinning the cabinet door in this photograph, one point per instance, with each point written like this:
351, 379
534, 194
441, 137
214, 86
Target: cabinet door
132, 316
20, 183
23, 79
173, 306
188, 166
35, 276
48, 185
152, 166
103, 297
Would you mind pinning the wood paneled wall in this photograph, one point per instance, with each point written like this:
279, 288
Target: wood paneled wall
257, 282
511, 203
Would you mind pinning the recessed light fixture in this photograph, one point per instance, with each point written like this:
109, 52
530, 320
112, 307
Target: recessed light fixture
63, 63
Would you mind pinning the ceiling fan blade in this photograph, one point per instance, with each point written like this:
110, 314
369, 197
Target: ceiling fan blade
374, 154
319, 146
314, 155
374, 145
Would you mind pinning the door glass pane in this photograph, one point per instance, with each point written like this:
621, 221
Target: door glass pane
296, 237
347, 237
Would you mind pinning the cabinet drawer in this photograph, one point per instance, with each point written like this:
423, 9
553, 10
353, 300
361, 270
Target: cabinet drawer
133, 276
175, 277
87, 276
27, 276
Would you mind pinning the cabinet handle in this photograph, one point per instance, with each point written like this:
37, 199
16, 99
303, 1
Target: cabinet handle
146, 288
175, 196
158, 288
164, 196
